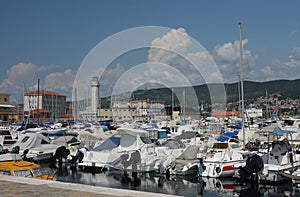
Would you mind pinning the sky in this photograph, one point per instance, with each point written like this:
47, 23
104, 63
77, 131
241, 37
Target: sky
54, 40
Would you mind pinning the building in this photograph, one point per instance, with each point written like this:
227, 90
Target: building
253, 112
137, 110
44, 104
8, 113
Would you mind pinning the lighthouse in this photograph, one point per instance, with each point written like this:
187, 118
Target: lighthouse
95, 95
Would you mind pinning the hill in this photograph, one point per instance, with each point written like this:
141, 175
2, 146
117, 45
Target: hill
252, 90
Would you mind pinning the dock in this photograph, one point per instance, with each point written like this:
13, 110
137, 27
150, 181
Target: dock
29, 187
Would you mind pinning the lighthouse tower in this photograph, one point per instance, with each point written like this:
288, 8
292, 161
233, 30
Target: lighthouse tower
95, 95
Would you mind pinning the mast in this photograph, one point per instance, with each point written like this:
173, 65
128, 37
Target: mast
267, 105
23, 113
242, 83
38, 102
183, 110
172, 103
75, 107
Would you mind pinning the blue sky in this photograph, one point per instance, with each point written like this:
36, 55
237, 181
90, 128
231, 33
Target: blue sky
50, 39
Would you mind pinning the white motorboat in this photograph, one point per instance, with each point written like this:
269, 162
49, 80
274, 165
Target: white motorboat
134, 153
35, 146
221, 164
281, 160
187, 163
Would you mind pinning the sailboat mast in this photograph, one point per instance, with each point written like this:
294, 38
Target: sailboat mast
38, 102
242, 82
172, 103
267, 105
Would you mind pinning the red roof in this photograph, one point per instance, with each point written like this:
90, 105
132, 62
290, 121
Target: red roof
226, 113
67, 115
36, 111
44, 92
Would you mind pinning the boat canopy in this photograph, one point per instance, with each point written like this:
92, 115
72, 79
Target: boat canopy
227, 135
134, 132
173, 144
281, 132
132, 138
112, 142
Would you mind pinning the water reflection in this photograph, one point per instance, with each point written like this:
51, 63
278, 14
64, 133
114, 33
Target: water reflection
183, 186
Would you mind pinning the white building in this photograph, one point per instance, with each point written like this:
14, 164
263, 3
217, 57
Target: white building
139, 110
253, 112
46, 101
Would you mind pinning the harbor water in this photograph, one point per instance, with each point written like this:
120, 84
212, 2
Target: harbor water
189, 186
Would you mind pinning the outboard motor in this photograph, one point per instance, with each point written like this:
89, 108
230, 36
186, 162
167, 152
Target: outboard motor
79, 155
15, 150
254, 164
24, 155
61, 153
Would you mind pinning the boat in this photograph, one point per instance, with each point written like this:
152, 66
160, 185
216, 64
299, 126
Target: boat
221, 164
187, 162
279, 161
135, 153
12, 164
291, 123
36, 147
6, 139
223, 159
176, 158
90, 133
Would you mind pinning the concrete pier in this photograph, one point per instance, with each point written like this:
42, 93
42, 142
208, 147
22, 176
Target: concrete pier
19, 186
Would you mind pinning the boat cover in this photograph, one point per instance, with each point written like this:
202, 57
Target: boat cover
227, 135
33, 140
110, 143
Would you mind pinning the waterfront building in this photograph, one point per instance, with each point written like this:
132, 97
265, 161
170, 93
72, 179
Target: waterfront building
8, 113
44, 104
136, 110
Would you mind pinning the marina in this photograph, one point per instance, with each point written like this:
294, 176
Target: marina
175, 185
122, 98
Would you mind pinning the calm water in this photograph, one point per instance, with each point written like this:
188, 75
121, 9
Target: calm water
183, 186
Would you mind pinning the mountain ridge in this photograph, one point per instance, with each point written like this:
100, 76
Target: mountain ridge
252, 90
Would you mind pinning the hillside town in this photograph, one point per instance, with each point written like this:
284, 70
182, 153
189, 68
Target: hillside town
48, 106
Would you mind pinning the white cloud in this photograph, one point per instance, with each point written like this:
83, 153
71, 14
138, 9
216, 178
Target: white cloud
293, 32
227, 57
175, 48
294, 58
177, 40
60, 81
28, 73
19, 73
267, 70
46, 68
289, 69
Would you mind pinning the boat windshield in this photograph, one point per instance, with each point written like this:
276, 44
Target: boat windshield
23, 173
5, 172
38, 171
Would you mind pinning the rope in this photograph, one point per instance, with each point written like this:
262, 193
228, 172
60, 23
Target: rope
289, 175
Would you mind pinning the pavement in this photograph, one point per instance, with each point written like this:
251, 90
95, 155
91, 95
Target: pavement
11, 186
